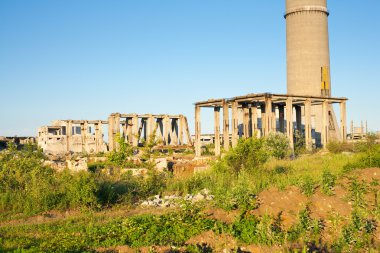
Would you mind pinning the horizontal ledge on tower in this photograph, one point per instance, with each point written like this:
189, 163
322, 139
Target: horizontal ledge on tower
307, 8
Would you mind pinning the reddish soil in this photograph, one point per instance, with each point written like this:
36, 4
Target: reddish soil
217, 242
322, 205
227, 217
289, 203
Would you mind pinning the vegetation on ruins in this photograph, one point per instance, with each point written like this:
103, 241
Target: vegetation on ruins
28, 187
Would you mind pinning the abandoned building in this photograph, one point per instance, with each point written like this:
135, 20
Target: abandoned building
262, 114
87, 136
76, 136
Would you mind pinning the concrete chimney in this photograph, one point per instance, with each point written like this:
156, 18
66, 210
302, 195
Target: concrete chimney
308, 57
307, 44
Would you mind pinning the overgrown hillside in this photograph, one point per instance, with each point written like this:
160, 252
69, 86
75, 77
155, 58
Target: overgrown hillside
264, 199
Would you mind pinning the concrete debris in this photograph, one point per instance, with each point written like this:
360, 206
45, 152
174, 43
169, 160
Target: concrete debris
77, 164
161, 164
174, 200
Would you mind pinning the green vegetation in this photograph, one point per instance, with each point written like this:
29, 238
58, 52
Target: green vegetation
28, 187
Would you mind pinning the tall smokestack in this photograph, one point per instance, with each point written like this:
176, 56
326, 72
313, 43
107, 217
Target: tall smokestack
308, 57
307, 41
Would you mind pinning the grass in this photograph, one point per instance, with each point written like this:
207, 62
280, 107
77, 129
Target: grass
235, 180
236, 190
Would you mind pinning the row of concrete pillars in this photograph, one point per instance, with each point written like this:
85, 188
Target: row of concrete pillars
286, 110
165, 129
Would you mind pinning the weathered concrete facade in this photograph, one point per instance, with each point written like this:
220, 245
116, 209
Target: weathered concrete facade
86, 136
72, 136
262, 114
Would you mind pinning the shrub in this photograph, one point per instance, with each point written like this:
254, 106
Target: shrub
357, 236
277, 145
299, 144
248, 154
307, 185
328, 182
119, 157
307, 228
259, 230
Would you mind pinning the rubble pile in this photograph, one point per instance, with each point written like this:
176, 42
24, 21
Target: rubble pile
174, 200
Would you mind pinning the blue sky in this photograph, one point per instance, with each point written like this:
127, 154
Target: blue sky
84, 59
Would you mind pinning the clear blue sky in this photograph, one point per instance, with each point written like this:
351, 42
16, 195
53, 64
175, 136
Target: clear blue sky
84, 59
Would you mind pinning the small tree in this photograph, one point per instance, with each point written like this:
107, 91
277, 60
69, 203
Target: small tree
119, 157
248, 154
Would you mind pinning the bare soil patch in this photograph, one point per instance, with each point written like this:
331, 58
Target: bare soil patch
217, 242
289, 203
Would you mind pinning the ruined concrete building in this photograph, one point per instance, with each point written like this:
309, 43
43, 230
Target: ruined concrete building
262, 114
72, 136
87, 136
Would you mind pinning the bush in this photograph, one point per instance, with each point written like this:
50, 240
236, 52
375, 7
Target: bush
307, 186
277, 145
120, 157
259, 230
248, 154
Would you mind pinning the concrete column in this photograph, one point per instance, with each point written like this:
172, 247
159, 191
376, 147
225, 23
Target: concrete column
100, 138
246, 121
129, 125
308, 138
226, 126
135, 130
83, 131
274, 120
281, 116
254, 120
343, 121
111, 130
117, 130
289, 121
187, 131
69, 133
268, 116
217, 130
166, 124
352, 129
97, 137
180, 130
149, 127
235, 123
197, 144
325, 125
